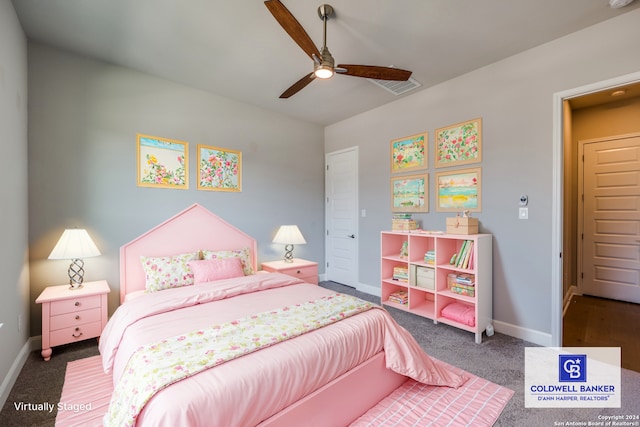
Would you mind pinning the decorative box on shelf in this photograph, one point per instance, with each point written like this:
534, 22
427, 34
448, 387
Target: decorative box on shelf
462, 225
423, 277
404, 224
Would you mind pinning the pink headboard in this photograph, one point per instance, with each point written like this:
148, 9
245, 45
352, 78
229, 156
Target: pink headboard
191, 230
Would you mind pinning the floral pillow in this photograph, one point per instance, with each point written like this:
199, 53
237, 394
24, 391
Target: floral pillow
243, 254
209, 270
168, 272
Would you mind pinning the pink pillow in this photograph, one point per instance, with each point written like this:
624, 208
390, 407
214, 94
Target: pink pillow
461, 313
209, 270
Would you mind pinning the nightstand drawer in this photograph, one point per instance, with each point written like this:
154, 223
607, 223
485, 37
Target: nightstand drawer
301, 272
74, 304
75, 319
75, 333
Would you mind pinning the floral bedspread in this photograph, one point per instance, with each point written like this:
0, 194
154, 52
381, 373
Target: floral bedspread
156, 366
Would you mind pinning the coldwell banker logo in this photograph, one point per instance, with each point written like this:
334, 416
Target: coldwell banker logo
572, 377
573, 368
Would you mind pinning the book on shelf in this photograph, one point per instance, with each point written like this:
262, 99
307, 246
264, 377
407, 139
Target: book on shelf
461, 281
461, 259
467, 255
463, 291
465, 279
430, 257
461, 286
401, 216
399, 297
401, 274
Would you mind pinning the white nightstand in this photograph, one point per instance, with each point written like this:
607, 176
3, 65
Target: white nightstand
72, 315
300, 268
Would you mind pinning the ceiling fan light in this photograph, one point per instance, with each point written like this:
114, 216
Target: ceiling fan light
323, 72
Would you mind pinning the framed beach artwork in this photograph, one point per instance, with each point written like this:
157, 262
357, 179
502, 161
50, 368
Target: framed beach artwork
409, 193
409, 153
459, 144
459, 190
162, 162
219, 169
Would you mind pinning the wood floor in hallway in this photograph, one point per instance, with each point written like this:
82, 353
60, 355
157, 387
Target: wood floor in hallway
599, 322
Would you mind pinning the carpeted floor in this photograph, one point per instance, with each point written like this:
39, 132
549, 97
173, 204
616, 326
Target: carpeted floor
499, 359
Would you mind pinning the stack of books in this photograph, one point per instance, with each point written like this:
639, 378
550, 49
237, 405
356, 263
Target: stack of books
403, 222
399, 297
463, 284
430, 257
401, 274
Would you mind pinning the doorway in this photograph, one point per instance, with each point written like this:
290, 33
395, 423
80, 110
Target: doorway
564, 236
341, 213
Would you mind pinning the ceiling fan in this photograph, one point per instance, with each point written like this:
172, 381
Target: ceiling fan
324, 67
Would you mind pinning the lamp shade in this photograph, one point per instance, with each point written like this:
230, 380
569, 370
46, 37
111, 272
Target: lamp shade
74, 243
289, 235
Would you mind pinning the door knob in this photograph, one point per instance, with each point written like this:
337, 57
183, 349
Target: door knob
353, 236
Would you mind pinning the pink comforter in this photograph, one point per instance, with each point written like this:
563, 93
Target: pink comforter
248, 390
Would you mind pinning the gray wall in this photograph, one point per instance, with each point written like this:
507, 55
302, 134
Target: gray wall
83, 120
514, 97
14, 286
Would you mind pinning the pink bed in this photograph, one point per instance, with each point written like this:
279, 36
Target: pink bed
329, 376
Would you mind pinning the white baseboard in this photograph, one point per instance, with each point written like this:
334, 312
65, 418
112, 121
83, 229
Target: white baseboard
530, 335
368, 289
10, 379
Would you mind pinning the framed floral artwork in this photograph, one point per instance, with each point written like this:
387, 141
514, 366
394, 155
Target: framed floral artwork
459, 190
219, 169
409, 193
409, 153
459, 144
162, 162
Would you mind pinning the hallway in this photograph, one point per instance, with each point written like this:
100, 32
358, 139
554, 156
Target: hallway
599, 322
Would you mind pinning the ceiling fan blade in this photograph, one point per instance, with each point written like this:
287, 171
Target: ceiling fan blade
374, 72
298, 86
292, 27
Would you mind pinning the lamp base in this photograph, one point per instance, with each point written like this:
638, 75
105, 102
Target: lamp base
288, 253
75, 287
76, 274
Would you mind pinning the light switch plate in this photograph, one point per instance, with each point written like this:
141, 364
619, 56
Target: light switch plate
523, 213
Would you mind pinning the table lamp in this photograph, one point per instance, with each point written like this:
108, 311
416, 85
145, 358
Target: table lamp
289, 235
75, 244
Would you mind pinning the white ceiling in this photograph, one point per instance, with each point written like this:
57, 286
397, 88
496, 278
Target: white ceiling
236, 49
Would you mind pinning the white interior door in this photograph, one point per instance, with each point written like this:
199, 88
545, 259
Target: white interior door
611, 218
341, 213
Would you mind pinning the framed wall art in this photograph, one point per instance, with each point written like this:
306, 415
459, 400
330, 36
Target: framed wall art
410, 193
409, 153
162, 162
219, 169
459, 144
459, 190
